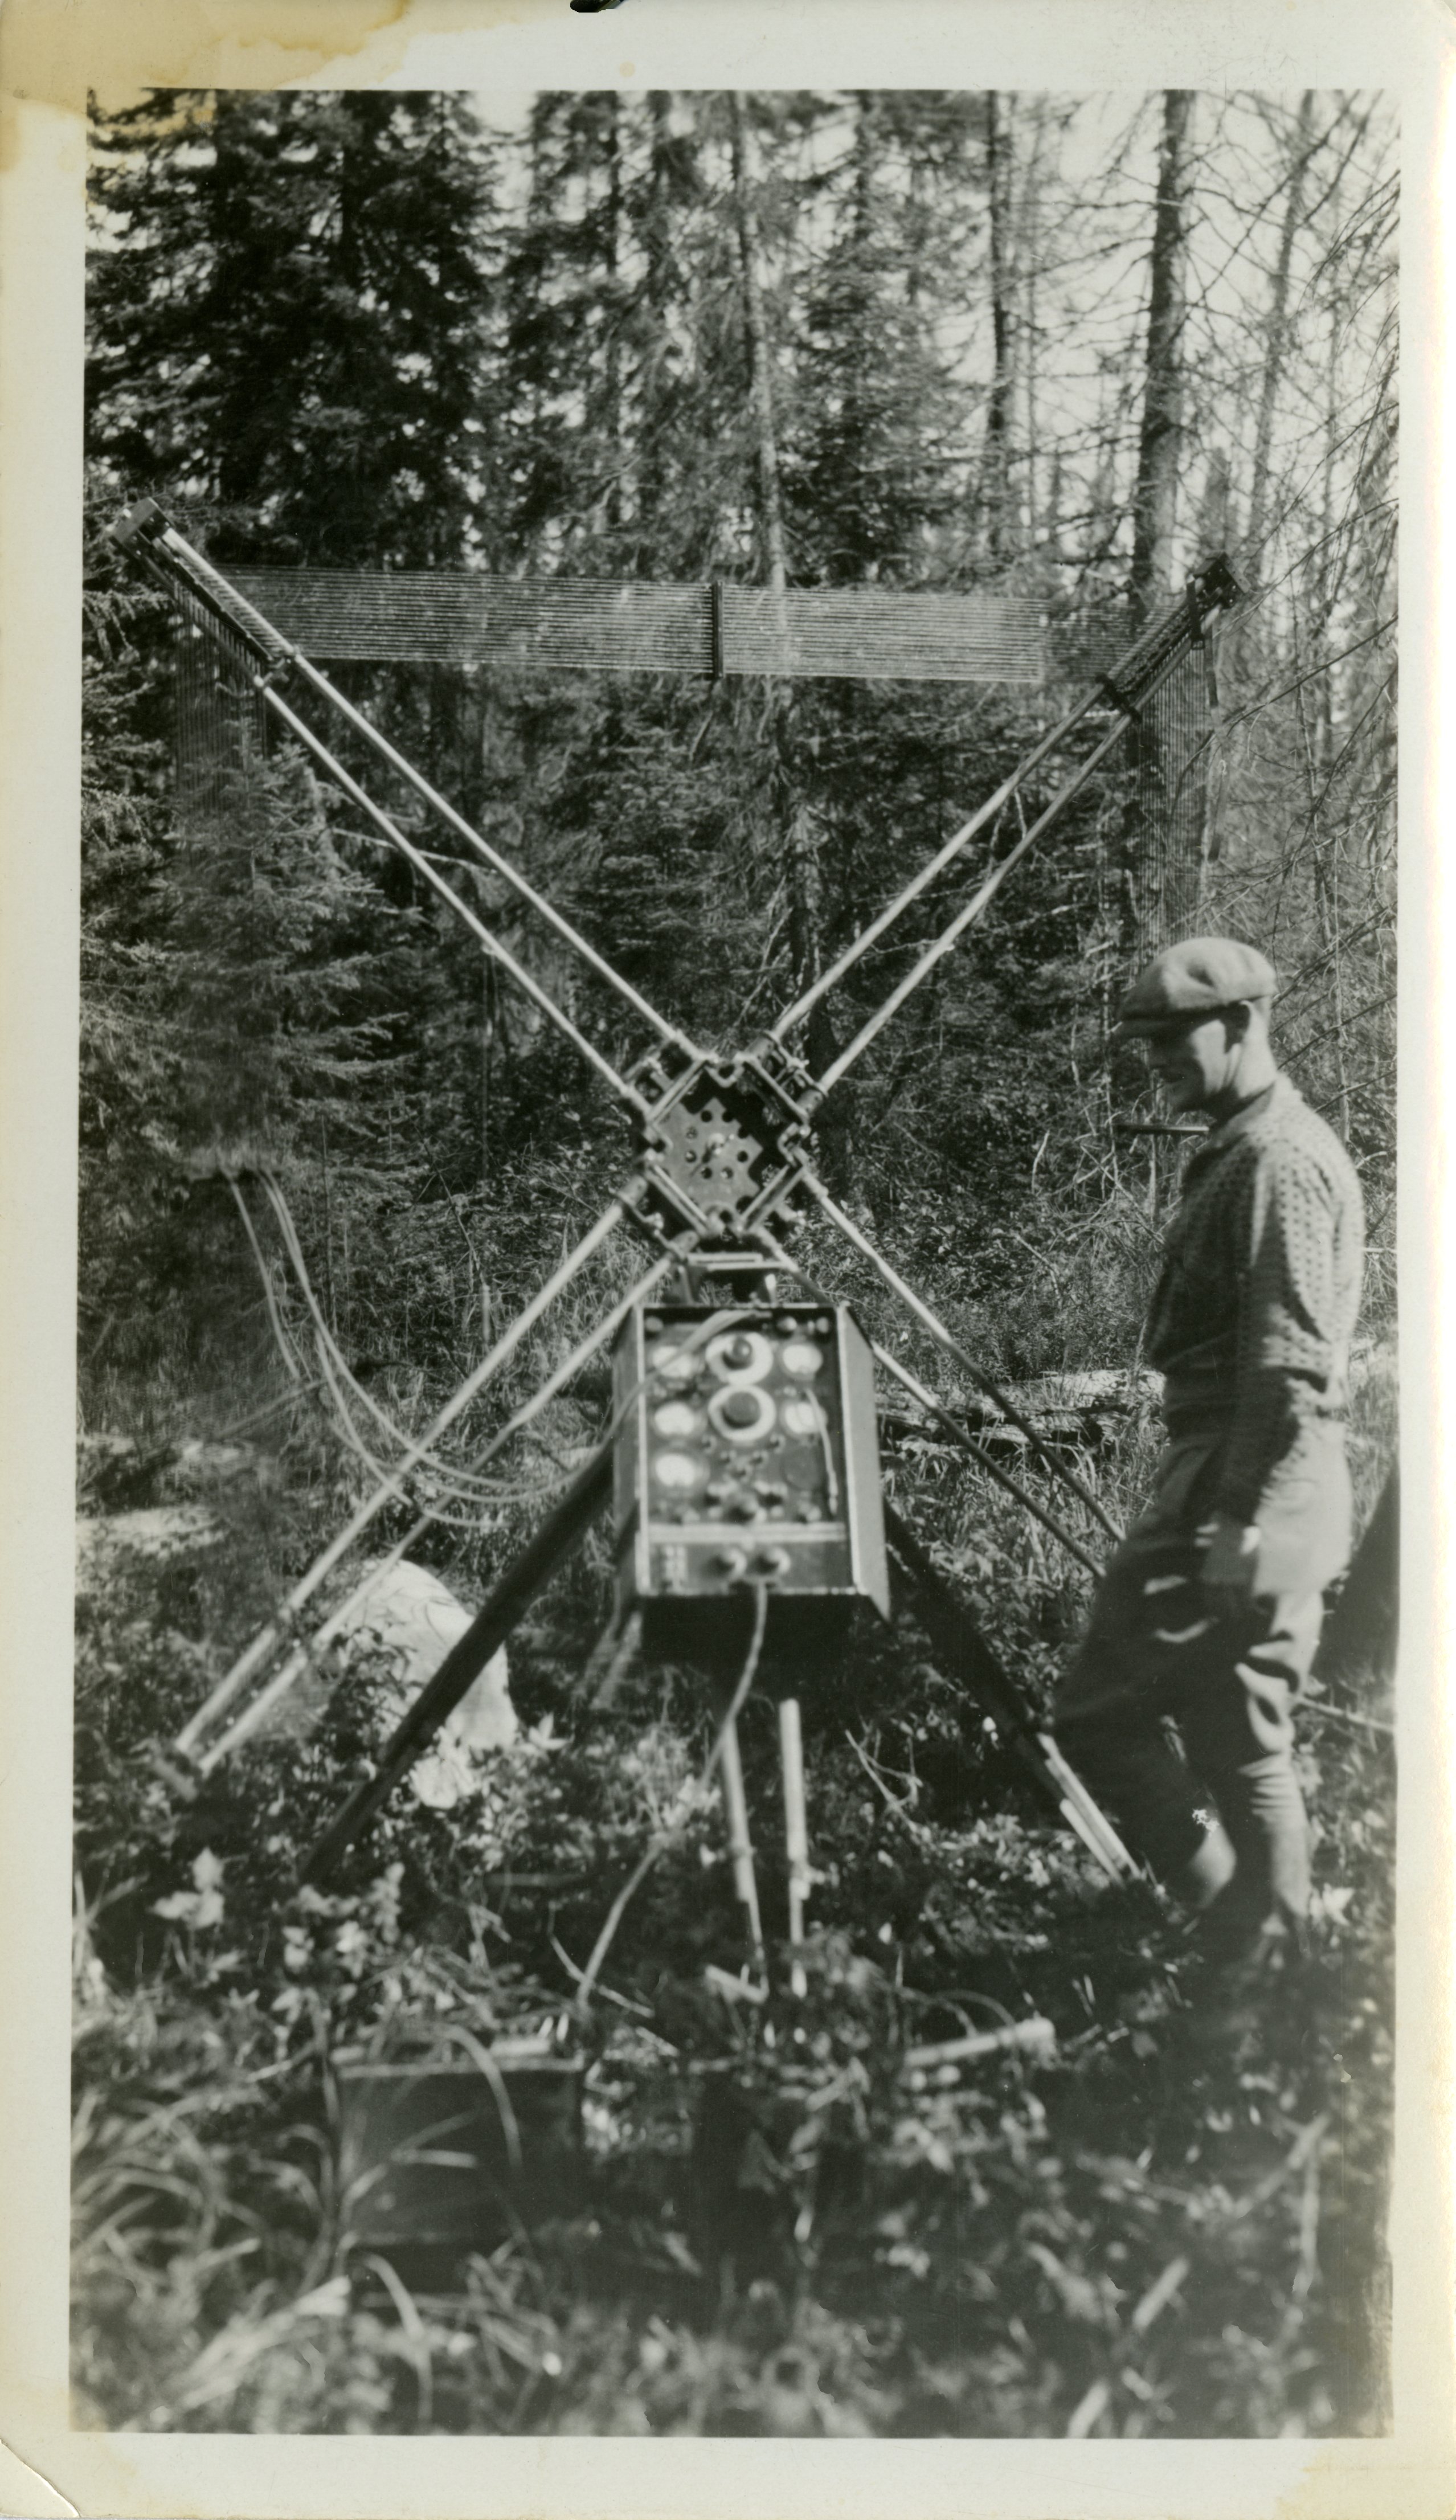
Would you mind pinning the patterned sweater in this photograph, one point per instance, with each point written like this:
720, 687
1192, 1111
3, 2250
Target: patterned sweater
1251, 1317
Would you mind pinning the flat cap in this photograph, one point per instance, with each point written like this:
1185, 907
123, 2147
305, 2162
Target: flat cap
1194, 979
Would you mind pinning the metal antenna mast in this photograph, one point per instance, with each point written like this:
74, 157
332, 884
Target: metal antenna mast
722, 1169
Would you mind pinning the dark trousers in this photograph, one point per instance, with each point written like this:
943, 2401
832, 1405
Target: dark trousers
1157, 1655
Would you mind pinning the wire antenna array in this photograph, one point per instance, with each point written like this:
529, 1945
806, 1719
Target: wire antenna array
624, 625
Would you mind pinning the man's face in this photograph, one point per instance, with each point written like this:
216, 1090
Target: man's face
1193, 1060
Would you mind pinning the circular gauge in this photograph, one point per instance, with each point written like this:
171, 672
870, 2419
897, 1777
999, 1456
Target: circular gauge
740, 1356
742, 1413
678, 1472
801, 1416
802, 1358
672, 1364
677, 1417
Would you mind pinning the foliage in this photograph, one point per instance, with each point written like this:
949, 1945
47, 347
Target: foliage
776, 2235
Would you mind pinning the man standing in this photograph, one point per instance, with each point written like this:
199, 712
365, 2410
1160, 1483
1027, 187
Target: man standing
1209, 1611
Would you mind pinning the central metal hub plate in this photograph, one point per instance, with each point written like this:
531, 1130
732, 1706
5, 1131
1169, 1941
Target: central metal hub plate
722, 1149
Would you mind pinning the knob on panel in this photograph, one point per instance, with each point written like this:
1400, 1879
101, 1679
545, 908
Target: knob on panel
740, 1356
742, 1412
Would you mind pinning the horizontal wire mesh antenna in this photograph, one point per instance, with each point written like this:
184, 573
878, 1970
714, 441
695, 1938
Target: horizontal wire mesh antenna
222, 728
862, 633
461, 617
605, 625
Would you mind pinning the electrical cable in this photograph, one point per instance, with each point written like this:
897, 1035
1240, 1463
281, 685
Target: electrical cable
670, 1837
391, 1488
540, 1555
333, 1373
305, 1654
293, 1363
460, 1480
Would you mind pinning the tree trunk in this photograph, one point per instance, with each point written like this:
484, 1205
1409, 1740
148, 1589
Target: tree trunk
656, 247
996, 461
1276, 333
760, 379
795, 822
611, 312
1156, 495
1155, 510
1202, 771
1324, 846
1028, 267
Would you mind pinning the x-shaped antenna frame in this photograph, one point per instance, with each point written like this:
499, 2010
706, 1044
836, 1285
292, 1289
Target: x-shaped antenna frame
723, 1148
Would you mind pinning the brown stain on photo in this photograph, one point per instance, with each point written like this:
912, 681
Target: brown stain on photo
52, 52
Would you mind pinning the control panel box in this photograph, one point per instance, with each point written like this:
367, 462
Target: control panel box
747, 1454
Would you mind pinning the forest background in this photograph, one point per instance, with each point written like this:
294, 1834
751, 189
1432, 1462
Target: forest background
1062, 348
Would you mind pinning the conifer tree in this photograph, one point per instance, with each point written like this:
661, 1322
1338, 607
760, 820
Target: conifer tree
288, 301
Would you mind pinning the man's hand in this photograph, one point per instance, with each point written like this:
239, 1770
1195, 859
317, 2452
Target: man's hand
1230, 1557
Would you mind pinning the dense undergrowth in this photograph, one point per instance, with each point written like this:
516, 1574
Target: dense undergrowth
772, 2233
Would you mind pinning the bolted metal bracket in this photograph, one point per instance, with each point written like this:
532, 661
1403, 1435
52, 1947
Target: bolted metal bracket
724, 1144
144, 523
1214, 588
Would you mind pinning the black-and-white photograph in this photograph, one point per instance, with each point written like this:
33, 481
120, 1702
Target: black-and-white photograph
737, 1328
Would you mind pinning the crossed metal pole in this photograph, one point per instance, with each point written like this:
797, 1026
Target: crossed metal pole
722, 1161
